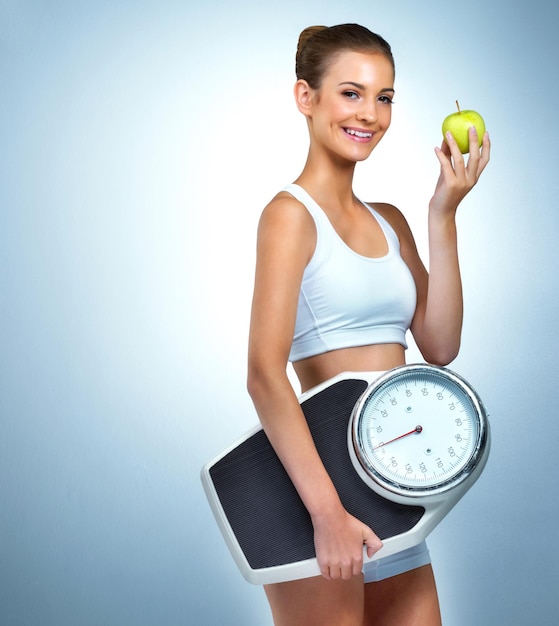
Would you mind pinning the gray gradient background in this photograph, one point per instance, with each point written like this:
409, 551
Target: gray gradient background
138, 143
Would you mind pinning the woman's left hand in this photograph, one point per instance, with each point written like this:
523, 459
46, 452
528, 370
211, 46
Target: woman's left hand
458, 175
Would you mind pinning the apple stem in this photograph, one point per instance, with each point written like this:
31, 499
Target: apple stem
458, 107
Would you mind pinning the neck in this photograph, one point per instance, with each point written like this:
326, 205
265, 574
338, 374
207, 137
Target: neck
328, 181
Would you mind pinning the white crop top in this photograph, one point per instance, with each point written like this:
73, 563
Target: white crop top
347, 299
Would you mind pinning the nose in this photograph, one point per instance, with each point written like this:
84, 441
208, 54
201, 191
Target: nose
368, 111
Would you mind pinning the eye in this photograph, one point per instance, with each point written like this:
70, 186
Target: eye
386, 100
352, 95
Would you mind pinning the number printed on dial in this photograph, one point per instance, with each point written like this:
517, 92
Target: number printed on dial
418, 430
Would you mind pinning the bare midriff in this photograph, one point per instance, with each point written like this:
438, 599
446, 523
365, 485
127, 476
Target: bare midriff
374, 358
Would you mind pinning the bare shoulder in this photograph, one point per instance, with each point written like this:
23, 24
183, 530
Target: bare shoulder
287, 222
283, 207
394, 217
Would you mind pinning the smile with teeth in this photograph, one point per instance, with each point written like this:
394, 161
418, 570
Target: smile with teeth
358, 133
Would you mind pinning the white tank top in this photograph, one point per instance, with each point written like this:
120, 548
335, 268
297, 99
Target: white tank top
347, 299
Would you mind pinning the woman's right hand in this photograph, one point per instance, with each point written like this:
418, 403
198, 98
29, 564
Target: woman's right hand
339, 539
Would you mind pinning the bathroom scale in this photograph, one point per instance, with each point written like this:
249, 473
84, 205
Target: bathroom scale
402, 447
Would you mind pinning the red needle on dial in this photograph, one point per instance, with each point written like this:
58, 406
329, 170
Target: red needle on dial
417, 429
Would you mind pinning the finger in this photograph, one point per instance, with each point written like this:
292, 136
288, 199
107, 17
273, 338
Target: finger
443, 154
333, 570
473, 141
447, 168
373, 543
472, 172
335, 573
473, 144
486, 143
455, 153
479, 158
485, 152
352, 567
358, 563
324, 569
445, 148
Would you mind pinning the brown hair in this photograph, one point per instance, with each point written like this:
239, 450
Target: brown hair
318, 45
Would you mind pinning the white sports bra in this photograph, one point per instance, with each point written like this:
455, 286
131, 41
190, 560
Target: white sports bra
347, 299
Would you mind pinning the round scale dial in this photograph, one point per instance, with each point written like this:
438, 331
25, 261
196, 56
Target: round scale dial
418, 430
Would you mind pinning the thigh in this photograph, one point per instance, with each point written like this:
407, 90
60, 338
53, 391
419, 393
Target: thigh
317, 602
408, 599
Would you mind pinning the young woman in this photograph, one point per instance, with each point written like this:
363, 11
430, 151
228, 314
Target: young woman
338, 283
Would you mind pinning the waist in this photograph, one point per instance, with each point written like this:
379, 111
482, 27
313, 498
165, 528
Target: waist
371, 358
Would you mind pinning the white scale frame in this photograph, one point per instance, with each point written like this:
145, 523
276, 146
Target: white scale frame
437, 502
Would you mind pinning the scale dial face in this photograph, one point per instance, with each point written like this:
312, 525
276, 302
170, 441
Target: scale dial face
418, 430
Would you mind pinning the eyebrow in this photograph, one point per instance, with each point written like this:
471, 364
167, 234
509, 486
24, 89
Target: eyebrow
362, 87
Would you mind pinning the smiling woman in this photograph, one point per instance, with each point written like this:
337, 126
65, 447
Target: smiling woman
356, 94
354, 68
338, 284
140, 142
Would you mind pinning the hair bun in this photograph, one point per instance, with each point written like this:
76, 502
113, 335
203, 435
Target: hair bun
306, 34
319, 45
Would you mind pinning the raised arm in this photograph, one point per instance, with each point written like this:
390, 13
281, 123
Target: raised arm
437, 324
286, 239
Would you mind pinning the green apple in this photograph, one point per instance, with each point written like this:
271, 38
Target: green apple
459, 124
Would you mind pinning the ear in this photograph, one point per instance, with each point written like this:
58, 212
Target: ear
304, 97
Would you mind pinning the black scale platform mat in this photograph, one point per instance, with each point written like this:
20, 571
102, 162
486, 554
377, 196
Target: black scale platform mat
263, 508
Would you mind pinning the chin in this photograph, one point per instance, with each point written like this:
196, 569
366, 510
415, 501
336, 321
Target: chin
364, 153
361, 156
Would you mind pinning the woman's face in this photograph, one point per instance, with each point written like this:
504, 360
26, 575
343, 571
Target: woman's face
352, 109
